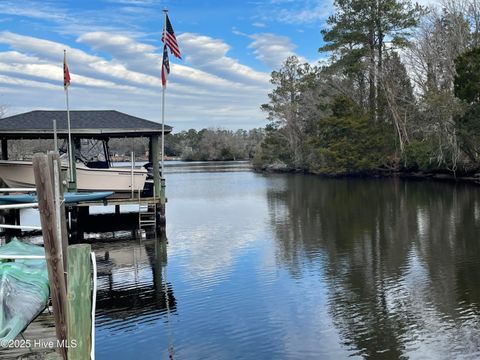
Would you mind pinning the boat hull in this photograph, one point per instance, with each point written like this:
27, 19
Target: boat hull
20, 174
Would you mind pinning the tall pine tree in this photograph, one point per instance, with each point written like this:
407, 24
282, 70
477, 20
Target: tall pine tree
358, 32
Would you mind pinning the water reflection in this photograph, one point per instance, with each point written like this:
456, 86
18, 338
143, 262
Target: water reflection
133, 288
131, 283
400, 260
297, 267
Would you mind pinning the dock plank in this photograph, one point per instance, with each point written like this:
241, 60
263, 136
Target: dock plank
39, 334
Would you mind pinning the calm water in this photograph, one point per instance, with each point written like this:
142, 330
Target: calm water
297, 267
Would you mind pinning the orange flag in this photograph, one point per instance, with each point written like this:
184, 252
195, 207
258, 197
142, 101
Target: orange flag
66, 73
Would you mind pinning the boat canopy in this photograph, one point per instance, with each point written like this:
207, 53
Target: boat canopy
84, 124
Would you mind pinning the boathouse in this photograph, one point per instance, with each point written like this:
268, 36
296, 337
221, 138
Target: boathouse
90, 123
85, 124
100, 125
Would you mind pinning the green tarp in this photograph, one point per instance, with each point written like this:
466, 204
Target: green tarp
24, 289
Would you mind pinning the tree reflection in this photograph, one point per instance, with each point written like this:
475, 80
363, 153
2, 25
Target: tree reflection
399, 257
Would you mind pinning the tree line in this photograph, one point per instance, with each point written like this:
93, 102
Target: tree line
400, 91
190, 145
213, 144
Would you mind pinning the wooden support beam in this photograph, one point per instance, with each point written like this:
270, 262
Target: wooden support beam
158, 183
150, 151
79, 302
155, 144
163, 197
72, 184
53, 245
4, 149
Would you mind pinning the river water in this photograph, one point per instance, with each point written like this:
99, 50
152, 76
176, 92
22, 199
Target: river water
296, 267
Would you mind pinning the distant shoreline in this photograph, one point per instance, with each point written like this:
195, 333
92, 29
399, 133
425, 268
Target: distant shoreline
414, 175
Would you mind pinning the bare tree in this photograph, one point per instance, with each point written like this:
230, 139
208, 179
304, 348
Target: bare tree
284, 109
442, 36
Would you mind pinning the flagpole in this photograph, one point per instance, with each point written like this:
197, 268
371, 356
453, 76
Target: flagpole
165, 11
70, 153
163, 127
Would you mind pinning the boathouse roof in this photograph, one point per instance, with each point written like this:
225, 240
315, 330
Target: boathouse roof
89, 123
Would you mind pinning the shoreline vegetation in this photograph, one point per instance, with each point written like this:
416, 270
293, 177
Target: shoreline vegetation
398, 95
405, 174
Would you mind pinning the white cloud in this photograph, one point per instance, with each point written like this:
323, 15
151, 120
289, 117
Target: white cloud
135, 2
259, 24
306, 12
32, 9
209, 54
46, 58
142, 58
298, 12
117, 16
124, 50
272, 49
238, 32
211, 89
115, 44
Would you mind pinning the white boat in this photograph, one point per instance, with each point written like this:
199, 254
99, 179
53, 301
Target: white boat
20, 174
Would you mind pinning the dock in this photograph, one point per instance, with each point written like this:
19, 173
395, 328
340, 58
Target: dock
91, 129
41, 333
72, 266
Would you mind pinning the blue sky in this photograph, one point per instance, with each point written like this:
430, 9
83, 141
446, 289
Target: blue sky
229, 49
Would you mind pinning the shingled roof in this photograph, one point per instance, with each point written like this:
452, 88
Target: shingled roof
94, 123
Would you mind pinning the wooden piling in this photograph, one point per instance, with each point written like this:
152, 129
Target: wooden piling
58, 189
53, 245
155, 164
79, 301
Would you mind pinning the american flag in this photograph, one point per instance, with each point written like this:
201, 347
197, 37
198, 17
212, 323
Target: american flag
168, 37
66, 73
165, 66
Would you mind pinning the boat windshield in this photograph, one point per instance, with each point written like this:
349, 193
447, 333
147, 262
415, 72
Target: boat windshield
92, 152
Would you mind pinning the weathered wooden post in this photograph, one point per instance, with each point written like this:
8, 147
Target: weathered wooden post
58, 189
154, 139
42, 169
162, 220
158, 182
79, 302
